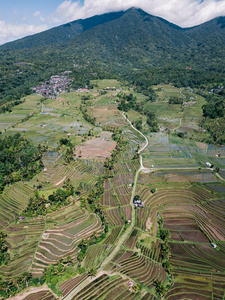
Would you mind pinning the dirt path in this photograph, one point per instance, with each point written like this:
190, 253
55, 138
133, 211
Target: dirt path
59, 182
130, 228
146, 143
181, 93
220, 177
180, 124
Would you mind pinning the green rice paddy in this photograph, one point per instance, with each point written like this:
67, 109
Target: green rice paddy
177, 189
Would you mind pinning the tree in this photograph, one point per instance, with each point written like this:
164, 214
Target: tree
83, 244
159, 288
69, 260
164, 233
69, 155
83, 202
136, 287
3, 248
67, 185
92, 272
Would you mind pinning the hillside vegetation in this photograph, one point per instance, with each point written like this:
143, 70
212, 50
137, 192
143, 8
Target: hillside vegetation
115, 44
112, 171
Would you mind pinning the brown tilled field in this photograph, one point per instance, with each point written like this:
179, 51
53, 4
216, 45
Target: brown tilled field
97, 148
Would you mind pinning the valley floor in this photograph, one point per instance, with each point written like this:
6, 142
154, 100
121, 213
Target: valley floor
171, 248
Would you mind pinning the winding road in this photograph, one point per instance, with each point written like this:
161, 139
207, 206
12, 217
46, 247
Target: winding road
128, 230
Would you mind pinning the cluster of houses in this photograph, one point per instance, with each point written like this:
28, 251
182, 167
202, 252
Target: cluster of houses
56, 85
217, 90
137, 202
81, 90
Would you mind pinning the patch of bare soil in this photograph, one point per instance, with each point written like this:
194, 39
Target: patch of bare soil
148, 224
202, 145
97, 148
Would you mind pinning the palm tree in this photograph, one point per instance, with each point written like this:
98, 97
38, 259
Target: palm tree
92, 272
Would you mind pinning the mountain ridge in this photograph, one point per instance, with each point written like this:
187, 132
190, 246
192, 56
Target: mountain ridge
69, 31
77, 26
117, 45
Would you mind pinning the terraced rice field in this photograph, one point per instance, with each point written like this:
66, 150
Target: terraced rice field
19, 112
197, 258
22, 241
133, 136
178, 176
113, 217
132, 239
62, 241
79, 172
127, 166
171, 153
59, 117
113, 235
43, 295
67, 286
13, 201
183, 209
199, 272
95, 255
118, 189
162, 154
196, 290
189, 201
127, 211
152, 252
109, 198
138, 267
106, 288
108, 116
97, 148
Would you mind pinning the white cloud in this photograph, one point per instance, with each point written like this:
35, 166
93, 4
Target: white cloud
9, 32
181, 12
184, 13
65, 12
37, 14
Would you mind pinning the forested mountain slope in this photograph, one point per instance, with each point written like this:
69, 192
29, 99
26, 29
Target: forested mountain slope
116, 43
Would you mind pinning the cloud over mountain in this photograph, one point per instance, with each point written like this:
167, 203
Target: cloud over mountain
9, 32
184, 13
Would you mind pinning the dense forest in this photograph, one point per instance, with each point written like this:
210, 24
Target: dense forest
19, 159
214, 115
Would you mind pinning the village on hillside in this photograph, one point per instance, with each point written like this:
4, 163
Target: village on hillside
56, 85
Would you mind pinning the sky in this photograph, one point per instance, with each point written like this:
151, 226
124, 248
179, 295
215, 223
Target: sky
19, 18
